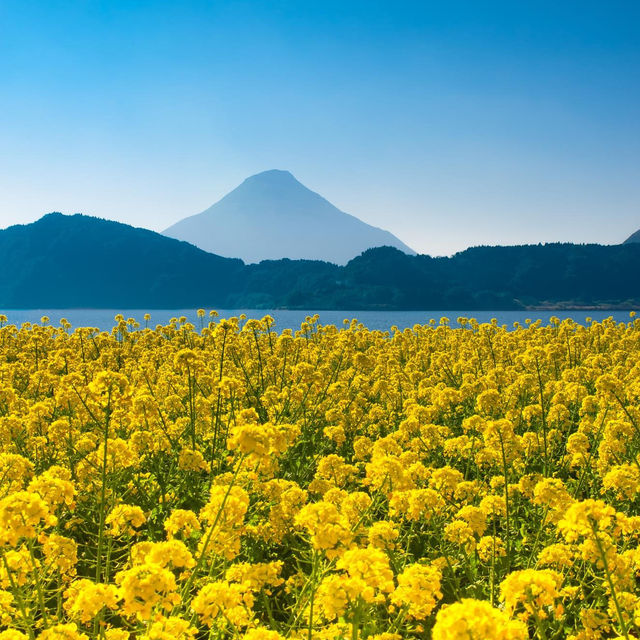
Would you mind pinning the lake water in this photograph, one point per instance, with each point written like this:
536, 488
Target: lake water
287, 319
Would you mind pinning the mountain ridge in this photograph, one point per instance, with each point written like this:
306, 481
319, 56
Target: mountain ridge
81, 261
634, 237
271, 215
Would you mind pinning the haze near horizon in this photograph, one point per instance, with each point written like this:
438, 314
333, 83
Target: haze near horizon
448, 125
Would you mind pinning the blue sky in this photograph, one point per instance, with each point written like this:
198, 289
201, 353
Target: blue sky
449, 123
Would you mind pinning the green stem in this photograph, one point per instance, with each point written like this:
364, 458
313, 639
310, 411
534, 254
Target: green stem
18, 596
539, 626
103, 491
603, 555
313, 594
535, 542
39, 589
506, 502
200, 558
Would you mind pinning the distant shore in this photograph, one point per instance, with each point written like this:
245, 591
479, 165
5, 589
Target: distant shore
627, 306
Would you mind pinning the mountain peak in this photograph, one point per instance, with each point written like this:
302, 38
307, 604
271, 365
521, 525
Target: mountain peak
272, 215
273, 175
271, 181
52, 216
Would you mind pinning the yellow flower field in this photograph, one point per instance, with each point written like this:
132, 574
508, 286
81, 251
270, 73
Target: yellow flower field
230, 481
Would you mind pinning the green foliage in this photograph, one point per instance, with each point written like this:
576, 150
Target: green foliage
79, 261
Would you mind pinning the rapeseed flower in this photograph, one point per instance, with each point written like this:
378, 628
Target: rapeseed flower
230, 479
472, 619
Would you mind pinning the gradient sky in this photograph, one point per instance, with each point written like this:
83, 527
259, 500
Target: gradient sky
449, 123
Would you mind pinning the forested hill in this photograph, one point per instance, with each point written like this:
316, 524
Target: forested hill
79, 261
478, 278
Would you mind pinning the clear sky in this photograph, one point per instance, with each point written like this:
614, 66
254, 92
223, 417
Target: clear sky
449, 123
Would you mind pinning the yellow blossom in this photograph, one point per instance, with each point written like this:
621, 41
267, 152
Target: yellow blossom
473, 619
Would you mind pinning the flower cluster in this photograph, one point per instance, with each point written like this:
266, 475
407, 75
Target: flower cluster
236, 482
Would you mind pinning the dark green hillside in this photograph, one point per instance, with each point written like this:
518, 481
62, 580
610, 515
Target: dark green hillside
287, 283
504, 277
478, 278
78, 261
585, 274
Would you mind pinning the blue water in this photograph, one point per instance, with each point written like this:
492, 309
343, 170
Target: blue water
286, 319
